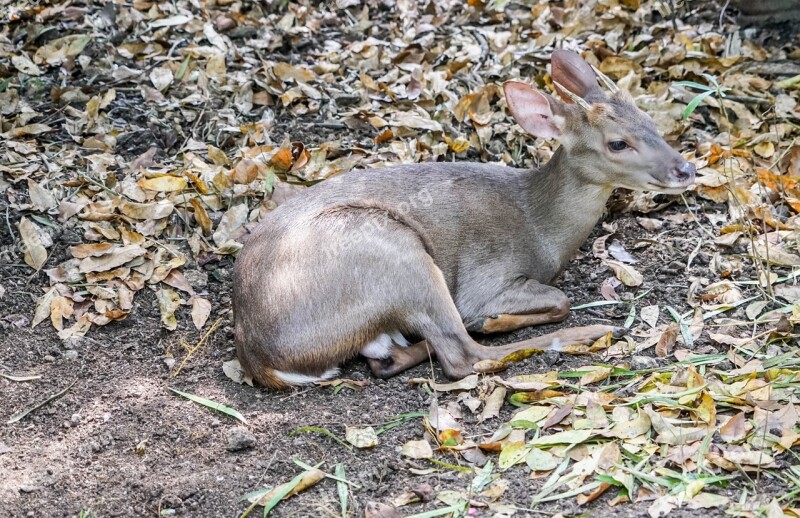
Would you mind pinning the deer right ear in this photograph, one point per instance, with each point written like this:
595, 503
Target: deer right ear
532, 110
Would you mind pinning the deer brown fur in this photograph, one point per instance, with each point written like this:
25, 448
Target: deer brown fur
364, 261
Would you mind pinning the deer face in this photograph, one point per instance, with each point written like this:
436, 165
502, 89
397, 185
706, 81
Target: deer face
611, 141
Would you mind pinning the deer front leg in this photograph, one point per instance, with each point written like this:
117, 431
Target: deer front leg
528, 303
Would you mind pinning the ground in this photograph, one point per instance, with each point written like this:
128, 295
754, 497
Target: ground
118, 442
80, 451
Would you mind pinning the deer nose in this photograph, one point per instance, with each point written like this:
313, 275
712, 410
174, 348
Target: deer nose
685, 172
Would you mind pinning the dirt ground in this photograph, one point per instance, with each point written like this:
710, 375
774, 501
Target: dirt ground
118, 443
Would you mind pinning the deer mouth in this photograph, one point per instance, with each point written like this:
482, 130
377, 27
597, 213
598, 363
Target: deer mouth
671, 188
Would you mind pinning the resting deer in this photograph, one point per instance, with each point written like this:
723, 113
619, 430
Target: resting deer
366, 260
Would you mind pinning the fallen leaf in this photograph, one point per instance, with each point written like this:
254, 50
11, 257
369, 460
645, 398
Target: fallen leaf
201, 309
164, 183
667, 340
362, 437
33, 251
168, 302
650, 315
625, 273
493, 404
116, 256
417, 450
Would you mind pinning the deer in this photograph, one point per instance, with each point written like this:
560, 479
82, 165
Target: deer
402, 264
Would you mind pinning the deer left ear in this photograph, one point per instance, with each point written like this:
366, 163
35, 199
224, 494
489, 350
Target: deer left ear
532, 110
574, 73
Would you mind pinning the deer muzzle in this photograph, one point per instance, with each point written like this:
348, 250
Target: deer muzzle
678, 178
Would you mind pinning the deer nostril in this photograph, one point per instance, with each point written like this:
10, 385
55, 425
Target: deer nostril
686, 171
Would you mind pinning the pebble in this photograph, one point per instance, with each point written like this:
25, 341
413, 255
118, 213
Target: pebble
551, 358
643, 362
49, 358
71, 354
240, 439
197, 278
73, 342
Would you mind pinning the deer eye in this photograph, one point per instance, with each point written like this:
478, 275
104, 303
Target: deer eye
617, 145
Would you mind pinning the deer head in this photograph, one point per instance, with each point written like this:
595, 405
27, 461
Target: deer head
606, 138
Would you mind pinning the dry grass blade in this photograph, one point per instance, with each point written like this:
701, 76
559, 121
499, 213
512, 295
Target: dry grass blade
197, 346
11, 377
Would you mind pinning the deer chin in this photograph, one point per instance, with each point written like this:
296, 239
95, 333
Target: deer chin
669, 188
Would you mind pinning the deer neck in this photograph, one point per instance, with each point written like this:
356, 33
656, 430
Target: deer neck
564, 208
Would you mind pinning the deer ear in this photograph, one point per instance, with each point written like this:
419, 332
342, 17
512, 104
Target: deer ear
531, 110
575, 74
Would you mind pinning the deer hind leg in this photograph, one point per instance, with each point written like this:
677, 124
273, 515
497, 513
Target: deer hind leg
400, 359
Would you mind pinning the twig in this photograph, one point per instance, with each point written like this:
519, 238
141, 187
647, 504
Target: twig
722, 13
199, 344
55, 396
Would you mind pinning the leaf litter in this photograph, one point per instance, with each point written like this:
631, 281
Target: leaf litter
152, 201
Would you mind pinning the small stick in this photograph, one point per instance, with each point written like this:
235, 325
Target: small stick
22, 414
199, 344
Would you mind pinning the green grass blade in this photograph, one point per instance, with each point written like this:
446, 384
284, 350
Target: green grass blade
696, 86
341, 488
280, 495
323, 431
439, 512
219, 407
694, 103
55, 396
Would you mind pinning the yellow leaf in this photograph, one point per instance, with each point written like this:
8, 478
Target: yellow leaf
361, 437
512, 454
625, 273
164, 183
201, 216
706, 411
217, 155
168, 302
489, 366
594, 374
765, 149
632, 428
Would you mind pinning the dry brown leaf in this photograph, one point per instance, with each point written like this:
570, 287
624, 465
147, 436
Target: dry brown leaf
41, 198
667, 341
33, 251
417, 450
43, 305
735, 429
117, 256
201, 309
493, 404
